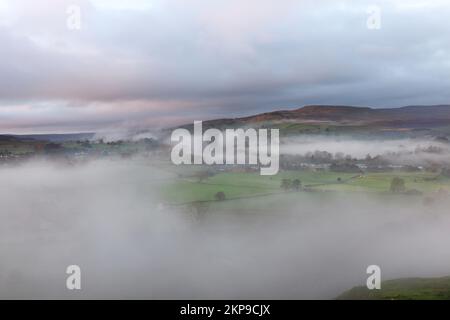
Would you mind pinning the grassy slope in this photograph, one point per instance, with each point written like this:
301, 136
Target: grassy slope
403, 289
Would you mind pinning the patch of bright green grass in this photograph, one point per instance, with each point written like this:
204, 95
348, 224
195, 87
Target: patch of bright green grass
246, 184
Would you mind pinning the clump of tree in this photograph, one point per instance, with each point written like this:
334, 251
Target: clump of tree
291, 185
296, 184
220, 196
398, 185
115, 143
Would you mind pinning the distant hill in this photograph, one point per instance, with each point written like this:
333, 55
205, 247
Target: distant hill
47, 137
310, 119
409, 116
8, 138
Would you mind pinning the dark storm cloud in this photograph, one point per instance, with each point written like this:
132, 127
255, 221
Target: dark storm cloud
173, 59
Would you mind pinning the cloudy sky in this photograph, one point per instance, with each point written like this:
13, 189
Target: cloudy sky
80, 65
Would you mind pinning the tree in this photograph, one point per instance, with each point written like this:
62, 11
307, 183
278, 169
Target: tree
296, 184
220, 196
398, 185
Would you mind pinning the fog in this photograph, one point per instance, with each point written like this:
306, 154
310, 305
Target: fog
128, 135
110, 218
399, 150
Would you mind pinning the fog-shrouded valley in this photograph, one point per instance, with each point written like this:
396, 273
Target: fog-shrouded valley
109, 217
220, 156
139, 226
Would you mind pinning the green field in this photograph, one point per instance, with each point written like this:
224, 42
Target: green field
403, 289
380, 182
247, 185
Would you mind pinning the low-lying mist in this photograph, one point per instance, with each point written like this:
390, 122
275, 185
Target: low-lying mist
109, 218
408, 151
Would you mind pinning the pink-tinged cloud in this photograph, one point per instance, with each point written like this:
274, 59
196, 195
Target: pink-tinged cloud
139, 62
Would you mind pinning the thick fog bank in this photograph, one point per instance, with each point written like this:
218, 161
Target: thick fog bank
108, 218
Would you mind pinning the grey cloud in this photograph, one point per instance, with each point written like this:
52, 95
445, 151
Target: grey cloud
228, 58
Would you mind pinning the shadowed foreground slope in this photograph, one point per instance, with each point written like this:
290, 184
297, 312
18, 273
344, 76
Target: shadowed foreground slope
403, 289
